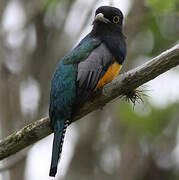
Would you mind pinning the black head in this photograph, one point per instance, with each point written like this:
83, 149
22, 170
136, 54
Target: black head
108, 20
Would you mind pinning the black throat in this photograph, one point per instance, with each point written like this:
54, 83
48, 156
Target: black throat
101, 29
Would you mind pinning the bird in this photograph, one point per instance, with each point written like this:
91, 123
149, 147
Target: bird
95, 61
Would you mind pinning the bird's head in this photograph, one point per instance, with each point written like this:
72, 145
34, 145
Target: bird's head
108, 19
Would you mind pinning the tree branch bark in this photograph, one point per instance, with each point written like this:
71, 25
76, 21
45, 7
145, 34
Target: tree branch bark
120, 86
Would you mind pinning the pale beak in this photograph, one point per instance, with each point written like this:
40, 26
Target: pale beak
100, 17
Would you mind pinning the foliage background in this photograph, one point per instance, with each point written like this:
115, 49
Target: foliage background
121, 141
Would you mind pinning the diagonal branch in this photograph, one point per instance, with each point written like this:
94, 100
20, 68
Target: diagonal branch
120, 86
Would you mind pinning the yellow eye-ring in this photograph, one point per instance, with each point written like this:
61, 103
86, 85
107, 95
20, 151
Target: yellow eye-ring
115, 19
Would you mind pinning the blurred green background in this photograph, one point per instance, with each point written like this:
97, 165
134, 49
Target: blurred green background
120, 142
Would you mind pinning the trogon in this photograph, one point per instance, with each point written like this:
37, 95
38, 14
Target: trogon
95, 61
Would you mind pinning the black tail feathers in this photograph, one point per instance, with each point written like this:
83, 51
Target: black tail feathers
57, 148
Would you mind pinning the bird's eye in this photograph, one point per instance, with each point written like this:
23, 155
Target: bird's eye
115, 19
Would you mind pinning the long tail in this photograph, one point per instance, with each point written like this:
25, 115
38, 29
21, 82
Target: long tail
59, 134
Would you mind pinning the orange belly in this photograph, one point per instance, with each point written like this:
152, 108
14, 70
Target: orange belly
111, 73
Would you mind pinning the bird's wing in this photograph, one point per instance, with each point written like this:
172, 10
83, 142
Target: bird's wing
91, 59
91, 70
